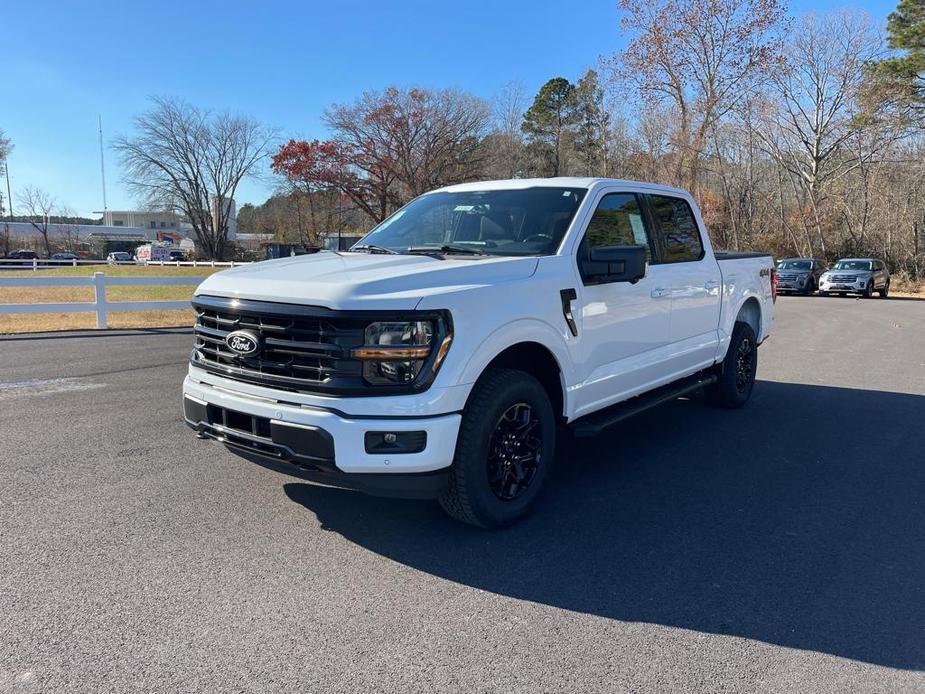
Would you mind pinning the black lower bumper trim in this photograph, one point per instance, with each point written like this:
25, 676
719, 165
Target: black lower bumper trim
295, 451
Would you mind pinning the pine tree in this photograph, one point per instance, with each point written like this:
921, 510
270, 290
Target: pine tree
549, 123
900, 80
593, 125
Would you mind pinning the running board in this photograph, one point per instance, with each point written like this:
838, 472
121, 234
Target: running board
593, 424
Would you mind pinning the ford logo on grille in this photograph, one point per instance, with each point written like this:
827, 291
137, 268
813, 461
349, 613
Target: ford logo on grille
243, 343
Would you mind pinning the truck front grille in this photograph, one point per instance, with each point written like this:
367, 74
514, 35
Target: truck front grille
299, 348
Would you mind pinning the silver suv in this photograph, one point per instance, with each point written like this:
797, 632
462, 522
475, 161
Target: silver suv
862, 276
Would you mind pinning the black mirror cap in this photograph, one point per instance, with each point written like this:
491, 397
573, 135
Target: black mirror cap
614, 264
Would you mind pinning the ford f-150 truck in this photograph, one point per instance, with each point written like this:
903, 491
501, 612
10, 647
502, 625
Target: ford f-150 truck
440, 355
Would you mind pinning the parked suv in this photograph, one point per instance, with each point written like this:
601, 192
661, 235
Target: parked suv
862, 276
799, 275
438, 356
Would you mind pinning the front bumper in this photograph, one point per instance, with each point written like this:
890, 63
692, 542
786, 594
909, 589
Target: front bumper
797, 284
324, 445
856, 286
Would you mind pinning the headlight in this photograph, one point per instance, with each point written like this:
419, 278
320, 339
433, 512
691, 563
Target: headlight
395, 352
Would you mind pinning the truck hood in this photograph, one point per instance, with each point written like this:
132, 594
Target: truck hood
362, 280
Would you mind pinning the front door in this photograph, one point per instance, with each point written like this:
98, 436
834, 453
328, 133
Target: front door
623, 327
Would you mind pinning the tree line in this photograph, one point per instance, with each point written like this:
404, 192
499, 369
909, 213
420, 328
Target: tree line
802, 136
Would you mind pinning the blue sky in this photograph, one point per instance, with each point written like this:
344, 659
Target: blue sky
64, 63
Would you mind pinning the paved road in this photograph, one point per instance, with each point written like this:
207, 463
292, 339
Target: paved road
776, 548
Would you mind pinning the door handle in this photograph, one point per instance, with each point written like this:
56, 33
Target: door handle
659, 292
711, 284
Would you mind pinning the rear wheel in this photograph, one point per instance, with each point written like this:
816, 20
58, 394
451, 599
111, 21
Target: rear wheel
737, 372
505, 447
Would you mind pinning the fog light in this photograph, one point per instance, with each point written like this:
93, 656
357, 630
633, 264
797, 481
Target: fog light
395, 441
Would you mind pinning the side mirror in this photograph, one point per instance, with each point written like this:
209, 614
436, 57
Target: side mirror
614, 264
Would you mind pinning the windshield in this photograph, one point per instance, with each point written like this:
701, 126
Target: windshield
795, 265
530, 221
852, 265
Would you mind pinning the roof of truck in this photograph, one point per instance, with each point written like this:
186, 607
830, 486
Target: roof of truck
557, 182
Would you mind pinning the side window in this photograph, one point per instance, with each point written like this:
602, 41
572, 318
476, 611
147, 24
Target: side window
676, 228
617, 221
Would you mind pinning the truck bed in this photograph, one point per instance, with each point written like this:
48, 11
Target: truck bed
739, 255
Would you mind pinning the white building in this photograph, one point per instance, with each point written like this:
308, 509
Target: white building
143, 219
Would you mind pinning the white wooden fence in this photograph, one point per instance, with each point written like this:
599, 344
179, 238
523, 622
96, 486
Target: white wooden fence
99, 281
37, 263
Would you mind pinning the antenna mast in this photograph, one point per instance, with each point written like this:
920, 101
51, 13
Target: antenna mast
102, 167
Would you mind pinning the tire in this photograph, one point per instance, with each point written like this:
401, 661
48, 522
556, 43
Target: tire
736, 379
822, 293
508, 416
868, 290
808, 287
884, 293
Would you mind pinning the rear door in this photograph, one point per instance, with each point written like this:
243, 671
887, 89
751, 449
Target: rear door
623, 327
695, 282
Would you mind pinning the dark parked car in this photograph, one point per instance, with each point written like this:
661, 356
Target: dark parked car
177, 255
799, 275
65, 255
24, 255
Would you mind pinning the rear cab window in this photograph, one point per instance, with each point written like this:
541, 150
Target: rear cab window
676, 230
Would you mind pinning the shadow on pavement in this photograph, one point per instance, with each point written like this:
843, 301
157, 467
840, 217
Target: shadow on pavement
798, 521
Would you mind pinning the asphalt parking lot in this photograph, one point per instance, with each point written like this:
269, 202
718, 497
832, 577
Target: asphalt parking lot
776, 548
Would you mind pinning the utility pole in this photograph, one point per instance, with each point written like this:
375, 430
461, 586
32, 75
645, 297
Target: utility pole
9, 203
102, 169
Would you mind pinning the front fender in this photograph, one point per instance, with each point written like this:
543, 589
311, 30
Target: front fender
518, 332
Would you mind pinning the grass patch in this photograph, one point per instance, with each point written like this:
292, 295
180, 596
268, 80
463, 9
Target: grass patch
40, 322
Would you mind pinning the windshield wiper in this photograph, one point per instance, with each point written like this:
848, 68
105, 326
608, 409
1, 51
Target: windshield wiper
447, 248
373, 248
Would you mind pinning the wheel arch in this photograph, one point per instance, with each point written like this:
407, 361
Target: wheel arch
529, 348
750, 313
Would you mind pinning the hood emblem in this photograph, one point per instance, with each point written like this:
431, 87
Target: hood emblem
244, 343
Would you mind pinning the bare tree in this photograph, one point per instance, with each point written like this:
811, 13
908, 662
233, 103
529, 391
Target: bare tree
193, 160
702, 57
817, 104
39, 206
508, 107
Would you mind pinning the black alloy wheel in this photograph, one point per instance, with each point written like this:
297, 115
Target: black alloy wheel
745, 364
505, 449
514, 452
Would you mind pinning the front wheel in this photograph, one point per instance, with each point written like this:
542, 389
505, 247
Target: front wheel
506, 444
885, 291
868, 290
737, 371
808, 288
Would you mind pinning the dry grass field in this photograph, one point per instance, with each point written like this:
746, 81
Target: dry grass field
36, 322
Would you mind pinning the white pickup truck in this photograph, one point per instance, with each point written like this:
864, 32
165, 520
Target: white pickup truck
438, 357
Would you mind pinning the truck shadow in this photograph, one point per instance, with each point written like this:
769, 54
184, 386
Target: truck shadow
797, 521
